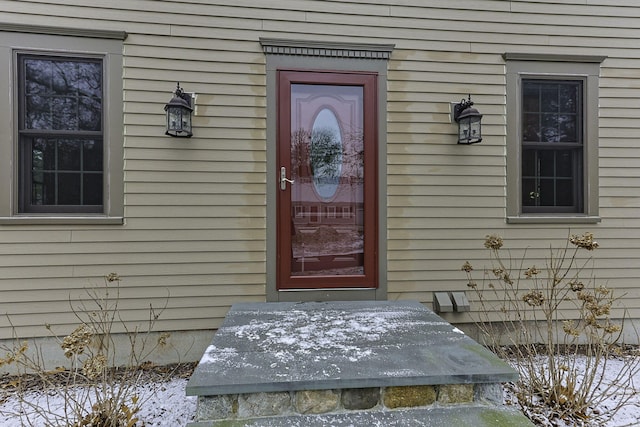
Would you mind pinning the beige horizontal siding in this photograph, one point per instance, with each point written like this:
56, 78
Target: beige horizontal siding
195, 209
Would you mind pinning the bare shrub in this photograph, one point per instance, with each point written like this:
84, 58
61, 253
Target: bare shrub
97, 390
554, 322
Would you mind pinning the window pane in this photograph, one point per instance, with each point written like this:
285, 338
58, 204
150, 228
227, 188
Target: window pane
90, 79
90, 114
92, 155
38, 88
547, 163
564, 192
66, 172
549, 128
567, 128
549, 98
69, 155
92, 189
558, 107
564, 163
529, 192
43, 156
64, 77
549, 177
547, 192
65, 113
531, 97
43, 188
37, 77
69, 189
529, 163
38, 113
531, 128
568, 97
62, 94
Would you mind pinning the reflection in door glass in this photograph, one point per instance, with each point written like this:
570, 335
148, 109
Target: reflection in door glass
327, 154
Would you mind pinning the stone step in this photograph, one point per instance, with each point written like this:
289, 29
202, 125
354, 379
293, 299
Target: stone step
340, 360
460, 416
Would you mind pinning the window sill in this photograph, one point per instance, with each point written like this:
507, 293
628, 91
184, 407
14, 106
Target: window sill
557, 219
61, 220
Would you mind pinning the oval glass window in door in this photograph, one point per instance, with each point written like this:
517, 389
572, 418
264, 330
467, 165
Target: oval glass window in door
326, 154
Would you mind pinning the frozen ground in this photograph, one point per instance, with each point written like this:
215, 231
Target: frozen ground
168, 406
627, 416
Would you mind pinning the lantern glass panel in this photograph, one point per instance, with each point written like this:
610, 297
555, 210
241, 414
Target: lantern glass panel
186, 121
474, 128
174, 119
463, 129
470, 129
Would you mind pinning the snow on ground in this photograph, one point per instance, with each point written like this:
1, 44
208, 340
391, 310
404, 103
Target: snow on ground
627, 416
168, 406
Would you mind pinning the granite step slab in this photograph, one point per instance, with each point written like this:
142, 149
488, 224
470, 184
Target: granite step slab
270, 347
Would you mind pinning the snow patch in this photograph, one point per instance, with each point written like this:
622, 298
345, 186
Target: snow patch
302, 332
162, 405
214, 354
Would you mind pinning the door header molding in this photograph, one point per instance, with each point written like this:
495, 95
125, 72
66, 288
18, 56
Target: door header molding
327, 49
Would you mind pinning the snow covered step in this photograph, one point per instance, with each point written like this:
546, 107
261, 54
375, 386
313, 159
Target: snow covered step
319, 359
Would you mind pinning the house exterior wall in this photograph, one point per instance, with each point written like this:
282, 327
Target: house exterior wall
194, 226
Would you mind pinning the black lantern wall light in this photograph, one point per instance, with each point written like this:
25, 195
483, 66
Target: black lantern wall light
469, 122
179, 111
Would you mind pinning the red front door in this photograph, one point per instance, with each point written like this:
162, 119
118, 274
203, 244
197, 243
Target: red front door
327, 203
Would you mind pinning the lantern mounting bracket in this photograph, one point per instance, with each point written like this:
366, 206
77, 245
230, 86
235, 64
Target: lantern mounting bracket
180, 93
460, 107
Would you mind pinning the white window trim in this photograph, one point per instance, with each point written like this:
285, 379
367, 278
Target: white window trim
522, 66
106, 44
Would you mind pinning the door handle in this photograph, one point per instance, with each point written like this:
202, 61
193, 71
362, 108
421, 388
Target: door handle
283, 178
